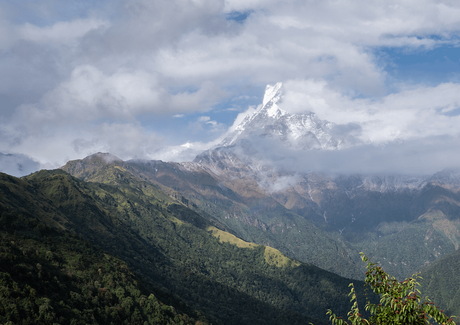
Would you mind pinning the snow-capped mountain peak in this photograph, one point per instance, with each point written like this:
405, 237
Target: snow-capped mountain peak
299, 131
272, 93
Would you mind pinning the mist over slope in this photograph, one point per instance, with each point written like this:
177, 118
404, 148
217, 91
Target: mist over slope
404, 222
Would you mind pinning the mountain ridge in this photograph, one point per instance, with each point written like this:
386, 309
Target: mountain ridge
246, 211
182, 253
348, 214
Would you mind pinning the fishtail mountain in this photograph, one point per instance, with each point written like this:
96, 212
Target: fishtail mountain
405, 222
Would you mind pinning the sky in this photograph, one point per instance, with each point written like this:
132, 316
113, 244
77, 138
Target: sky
167, 79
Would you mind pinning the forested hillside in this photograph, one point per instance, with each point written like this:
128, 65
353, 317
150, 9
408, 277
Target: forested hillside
238, 205
404, 223
53, 276
442, 284
171, 250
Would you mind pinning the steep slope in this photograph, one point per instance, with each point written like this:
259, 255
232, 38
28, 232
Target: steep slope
441, 283
237, 205
178, 251
405, 222
51, 276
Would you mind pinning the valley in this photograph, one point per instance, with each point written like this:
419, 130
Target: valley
184, 259
233, 237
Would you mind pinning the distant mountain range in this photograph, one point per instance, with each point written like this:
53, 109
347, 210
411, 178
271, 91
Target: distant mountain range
405, 223
207, 236
231, 237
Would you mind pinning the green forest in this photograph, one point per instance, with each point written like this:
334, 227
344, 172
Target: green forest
133, 232
122, 251
49, 277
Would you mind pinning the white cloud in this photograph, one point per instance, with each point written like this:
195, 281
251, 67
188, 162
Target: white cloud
66, 33
183, 153
54, 147
421, 156
411, 113
87, 83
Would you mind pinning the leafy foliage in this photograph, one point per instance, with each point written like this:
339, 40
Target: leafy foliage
50, 276
400, 302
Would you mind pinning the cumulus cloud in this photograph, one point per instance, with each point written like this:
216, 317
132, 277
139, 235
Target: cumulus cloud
205, 123
90, 80
409, 114
57, 144
90, 94
126, 141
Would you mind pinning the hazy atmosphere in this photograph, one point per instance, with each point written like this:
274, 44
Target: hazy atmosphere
167, 79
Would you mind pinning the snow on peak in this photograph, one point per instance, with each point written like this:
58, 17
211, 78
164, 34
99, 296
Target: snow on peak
274, 111
272, 92
271, 97
301, 131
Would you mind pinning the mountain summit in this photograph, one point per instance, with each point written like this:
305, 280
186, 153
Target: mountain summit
297, 131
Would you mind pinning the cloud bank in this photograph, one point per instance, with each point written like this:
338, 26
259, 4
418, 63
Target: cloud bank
98, 77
